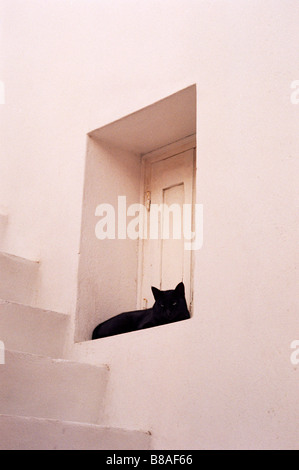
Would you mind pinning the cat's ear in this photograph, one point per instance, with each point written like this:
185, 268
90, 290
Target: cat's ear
156, 293
180, 289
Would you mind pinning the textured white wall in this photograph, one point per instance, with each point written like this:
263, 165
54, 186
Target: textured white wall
224, 379
107, 277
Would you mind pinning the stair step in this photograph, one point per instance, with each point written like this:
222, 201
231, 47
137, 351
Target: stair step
33, 330
18, 278
43, 387
22, 433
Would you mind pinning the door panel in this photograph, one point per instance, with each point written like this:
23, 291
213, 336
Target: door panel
165, 261
172, 249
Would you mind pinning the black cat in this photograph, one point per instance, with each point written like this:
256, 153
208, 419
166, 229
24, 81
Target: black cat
170, 306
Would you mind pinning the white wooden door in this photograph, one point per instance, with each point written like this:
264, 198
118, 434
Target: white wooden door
169, 185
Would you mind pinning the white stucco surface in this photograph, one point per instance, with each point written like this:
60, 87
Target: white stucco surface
224, 379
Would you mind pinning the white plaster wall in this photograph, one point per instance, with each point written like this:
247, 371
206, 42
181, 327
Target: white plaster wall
223, 379
107, 276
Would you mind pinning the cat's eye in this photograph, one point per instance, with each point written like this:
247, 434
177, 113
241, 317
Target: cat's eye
162, 305
174, 304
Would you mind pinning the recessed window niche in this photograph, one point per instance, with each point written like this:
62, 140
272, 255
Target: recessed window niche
110, 270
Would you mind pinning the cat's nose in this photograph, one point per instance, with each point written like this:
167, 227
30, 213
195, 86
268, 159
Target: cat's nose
168, 312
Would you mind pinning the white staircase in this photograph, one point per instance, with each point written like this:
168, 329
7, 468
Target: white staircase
18, 278
43, 387
18, 433
32, 330
47, 402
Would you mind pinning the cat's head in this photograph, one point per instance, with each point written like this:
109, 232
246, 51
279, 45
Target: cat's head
170, 305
